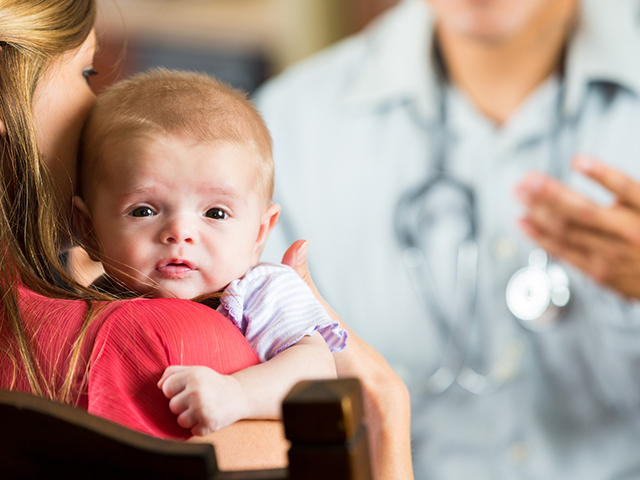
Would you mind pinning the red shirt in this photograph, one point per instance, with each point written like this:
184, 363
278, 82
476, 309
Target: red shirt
128, 345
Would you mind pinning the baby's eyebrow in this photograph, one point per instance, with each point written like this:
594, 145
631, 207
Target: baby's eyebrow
216, 192
136, 190
228, 193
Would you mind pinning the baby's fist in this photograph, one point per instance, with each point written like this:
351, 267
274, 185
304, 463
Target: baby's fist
204, 400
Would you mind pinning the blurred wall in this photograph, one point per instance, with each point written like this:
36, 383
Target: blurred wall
241, 41
360, 12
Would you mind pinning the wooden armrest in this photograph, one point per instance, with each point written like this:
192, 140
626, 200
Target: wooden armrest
249, 445
40, 438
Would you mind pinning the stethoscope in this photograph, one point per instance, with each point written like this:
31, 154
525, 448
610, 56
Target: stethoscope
536, 294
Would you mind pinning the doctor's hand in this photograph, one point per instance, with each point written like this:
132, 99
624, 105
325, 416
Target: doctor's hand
387, 404
604, 242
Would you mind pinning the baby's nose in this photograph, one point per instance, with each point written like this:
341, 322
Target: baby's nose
178, 231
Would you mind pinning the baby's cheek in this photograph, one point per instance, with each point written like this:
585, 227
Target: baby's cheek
125, 253
136, 256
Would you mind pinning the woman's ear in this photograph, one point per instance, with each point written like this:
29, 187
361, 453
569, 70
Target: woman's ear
269, 220
83, 228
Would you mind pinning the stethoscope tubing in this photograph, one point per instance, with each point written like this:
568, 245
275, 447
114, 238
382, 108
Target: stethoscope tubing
453, 367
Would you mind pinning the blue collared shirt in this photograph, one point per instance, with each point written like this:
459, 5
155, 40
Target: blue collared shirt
353, 130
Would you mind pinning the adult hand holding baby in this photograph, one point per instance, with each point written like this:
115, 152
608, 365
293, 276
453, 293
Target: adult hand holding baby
603, 242
387, 403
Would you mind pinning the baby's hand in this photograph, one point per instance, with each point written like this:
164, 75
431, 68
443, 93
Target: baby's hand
203, 399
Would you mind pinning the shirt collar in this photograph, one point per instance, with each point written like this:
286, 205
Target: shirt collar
604, 47
395, 69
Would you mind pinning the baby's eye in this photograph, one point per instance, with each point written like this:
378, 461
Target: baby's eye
216, 213
141, 212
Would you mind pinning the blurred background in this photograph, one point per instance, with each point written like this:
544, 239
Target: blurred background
242, 42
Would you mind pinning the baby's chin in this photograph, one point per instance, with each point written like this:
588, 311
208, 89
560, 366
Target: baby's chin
181, 292
184, 289
152, 289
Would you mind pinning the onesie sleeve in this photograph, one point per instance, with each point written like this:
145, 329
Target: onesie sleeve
138, 341
274, 308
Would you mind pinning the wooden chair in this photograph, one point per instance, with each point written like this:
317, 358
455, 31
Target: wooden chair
40, 438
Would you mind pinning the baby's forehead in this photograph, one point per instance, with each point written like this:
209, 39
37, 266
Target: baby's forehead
130, 151
130, 159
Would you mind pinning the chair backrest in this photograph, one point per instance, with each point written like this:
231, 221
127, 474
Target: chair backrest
40, 438
323, 420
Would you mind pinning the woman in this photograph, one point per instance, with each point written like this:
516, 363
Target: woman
51, 336
75, 346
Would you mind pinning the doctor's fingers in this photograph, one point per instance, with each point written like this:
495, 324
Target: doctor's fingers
611, 261
565, 237
626, 190
607, 260
554, 205
557, 247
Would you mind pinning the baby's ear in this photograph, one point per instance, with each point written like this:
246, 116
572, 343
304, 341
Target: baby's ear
83, 228
269, 220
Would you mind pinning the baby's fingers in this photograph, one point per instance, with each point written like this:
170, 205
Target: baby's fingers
192, 420
188, 419
180, 403
173, 384
168, 372
200, 430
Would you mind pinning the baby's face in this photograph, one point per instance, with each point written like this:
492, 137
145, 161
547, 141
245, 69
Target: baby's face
178, 218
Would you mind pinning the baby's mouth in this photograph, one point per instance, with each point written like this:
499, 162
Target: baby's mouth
175, 267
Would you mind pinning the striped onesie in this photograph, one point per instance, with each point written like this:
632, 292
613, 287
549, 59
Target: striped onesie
274, 308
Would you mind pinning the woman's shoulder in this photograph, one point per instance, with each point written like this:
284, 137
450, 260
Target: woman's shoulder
137, 340
167, 317
138, 313
182, 331
158, 311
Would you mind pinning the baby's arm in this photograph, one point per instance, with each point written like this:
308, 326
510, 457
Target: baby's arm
206, 401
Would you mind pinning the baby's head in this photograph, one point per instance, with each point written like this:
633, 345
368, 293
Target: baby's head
176, 183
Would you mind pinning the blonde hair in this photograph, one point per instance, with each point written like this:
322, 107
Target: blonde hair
32, 35
185, 104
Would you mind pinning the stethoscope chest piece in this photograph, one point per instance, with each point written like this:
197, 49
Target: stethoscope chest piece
537, 293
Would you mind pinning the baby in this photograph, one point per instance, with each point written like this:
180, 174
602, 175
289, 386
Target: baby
176, 184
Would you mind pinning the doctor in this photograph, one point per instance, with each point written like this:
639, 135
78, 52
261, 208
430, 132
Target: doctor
510, 100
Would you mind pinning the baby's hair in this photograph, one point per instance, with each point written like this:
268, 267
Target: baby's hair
185, 104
